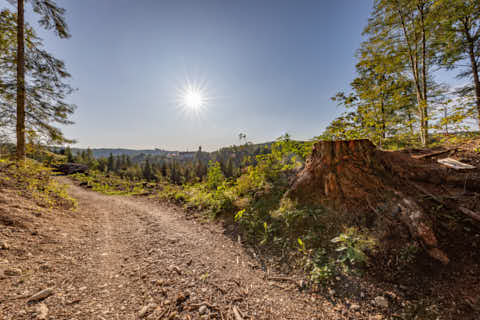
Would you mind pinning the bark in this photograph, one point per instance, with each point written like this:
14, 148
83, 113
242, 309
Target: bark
474, 65
20, 82
424, 107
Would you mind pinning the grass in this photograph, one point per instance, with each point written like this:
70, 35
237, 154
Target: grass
111, 184
33, 180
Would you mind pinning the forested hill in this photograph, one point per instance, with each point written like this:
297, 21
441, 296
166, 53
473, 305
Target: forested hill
134, 153
105, 152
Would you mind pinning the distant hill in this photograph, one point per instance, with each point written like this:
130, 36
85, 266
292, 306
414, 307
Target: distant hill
105, 152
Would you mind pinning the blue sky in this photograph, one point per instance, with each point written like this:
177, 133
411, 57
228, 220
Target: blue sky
269, 67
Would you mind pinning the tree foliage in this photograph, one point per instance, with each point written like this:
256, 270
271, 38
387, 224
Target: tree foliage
394, 96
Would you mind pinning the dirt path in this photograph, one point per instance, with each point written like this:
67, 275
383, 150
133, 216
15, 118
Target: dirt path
127, 258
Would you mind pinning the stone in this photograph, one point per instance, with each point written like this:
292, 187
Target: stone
146, 310
42, 311
4, 245
355, 307
203, 309
381, 302
14, 272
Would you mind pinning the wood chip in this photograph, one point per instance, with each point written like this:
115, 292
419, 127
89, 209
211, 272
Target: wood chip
41, 295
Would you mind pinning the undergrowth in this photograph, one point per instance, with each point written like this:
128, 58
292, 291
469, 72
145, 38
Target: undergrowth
34, 180
111, 184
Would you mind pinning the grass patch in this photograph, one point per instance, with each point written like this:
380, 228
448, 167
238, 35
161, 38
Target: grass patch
33, 180
111, 184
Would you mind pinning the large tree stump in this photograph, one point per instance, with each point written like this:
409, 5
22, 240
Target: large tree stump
355, 177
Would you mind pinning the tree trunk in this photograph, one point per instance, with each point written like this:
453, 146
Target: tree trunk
474, 65
413, 57
424, 106
20, 82
355, 179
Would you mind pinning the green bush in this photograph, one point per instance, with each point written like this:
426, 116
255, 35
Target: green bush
35, 180
352, 246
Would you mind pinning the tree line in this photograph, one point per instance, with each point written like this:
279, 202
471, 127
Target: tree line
395, 96
230, 161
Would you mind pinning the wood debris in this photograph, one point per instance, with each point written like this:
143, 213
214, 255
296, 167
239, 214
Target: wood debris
455, 164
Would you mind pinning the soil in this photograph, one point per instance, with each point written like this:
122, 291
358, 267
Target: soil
120, 257
127, 258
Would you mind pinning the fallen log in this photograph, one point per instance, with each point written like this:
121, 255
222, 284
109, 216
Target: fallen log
472, 214
455, 164
433, 154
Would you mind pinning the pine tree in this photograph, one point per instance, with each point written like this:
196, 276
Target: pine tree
52, 17
163, 169
68, 153
147, 171
110, 163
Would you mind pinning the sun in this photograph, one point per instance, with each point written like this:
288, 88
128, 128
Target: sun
193, 98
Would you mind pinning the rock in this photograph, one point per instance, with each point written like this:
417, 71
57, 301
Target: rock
381, 302
42, 312
4, 245
302, 284
41, 295
355, 307
143, 312
146, 310
203, 309
14, 272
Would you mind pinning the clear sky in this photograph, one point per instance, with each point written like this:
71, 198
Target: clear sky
268, 66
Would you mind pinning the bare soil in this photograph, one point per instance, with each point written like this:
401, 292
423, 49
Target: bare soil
127, 258
120, 257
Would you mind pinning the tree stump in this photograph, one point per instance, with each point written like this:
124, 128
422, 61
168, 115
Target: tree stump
357, 178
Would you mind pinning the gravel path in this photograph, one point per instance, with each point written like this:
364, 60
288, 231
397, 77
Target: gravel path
128, 258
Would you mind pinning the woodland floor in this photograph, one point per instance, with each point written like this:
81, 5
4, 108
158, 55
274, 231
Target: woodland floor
122, 257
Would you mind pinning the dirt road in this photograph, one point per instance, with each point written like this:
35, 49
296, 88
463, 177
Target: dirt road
126, 258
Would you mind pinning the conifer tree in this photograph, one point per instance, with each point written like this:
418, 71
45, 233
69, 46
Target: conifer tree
147, 171
52, 17
68, 153
110, 163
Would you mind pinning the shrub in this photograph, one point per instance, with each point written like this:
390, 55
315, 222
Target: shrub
35, 180
215, 177
352, 246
